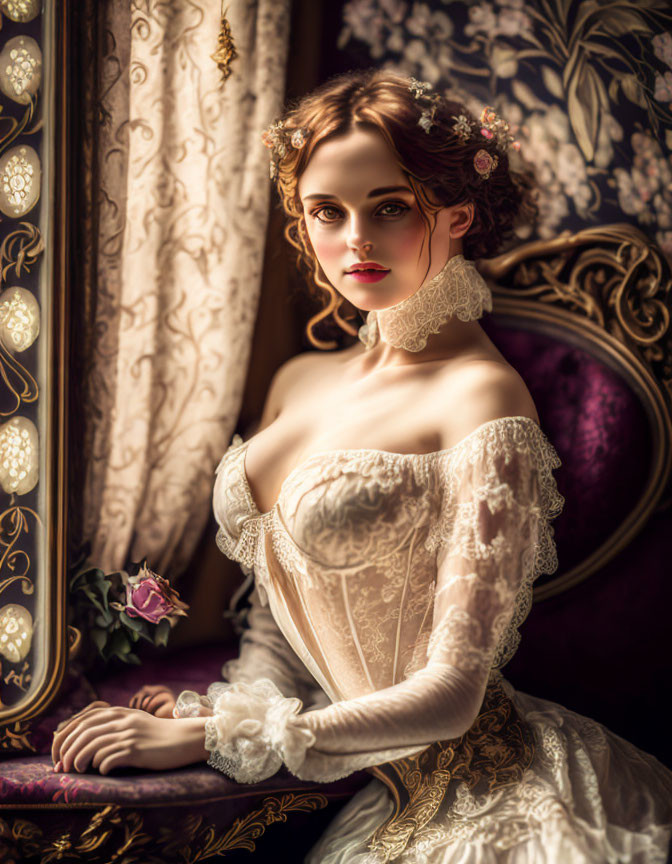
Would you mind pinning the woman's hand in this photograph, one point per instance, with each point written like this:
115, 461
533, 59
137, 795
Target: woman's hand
156, 699
107, 737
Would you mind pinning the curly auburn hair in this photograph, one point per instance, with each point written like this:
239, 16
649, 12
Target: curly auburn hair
438, 164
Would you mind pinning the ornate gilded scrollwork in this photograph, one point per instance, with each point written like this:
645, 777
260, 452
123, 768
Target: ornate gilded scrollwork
13, 524
245, 831
33, 362
15, 127
115, 833
20, 250
613, 276
15, 737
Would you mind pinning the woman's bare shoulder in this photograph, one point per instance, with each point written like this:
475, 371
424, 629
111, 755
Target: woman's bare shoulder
294, 370
477, 391
294, 373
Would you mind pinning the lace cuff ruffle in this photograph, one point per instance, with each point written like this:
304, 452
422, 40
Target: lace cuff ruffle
252, 728
191, 704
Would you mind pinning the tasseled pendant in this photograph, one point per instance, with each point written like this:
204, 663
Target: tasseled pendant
226, 50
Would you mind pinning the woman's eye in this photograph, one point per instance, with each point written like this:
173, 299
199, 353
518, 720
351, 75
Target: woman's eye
329, 214
326, 214
393, 209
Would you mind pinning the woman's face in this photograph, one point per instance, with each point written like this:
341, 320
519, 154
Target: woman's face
359, 208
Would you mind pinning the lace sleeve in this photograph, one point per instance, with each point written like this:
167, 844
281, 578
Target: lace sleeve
264, 654
492, 538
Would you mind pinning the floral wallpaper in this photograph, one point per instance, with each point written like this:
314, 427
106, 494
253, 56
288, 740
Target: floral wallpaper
586, 86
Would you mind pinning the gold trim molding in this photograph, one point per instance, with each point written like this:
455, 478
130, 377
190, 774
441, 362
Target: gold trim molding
118, 834
609, 291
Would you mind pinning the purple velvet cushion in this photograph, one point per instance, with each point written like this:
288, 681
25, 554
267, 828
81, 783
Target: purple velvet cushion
30, 780
596, 423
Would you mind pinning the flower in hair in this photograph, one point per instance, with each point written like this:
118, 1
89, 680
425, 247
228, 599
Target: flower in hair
419, 90
426, 120
278, 139
298, 139
485, 164
494, 126
462, 127
274, 139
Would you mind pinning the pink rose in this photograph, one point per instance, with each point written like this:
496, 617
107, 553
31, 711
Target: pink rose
151, 597
485, 164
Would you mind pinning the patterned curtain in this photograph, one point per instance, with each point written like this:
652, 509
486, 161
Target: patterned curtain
174, 202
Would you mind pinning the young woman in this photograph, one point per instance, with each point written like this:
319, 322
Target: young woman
395, 507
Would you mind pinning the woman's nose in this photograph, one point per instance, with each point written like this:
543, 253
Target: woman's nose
357, 241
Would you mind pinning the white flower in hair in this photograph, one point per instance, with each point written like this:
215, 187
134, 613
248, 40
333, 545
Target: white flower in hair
419, 90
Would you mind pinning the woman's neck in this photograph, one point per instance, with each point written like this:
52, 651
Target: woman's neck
453, 339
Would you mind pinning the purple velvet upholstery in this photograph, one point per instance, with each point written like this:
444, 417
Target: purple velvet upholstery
597, 425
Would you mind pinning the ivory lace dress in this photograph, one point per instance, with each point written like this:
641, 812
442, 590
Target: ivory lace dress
389, 590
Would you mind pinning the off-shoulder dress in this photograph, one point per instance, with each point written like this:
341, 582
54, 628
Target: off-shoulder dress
389, 589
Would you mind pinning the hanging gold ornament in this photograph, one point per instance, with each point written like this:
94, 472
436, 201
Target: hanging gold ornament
226, 51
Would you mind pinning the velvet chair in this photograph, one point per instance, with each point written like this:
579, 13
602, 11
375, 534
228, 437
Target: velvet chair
585, 320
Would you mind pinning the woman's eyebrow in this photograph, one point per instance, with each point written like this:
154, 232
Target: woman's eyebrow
374, 193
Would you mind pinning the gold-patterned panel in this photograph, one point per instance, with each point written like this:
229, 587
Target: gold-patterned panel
33, 338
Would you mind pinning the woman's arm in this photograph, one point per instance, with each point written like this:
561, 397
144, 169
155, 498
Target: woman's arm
264, 653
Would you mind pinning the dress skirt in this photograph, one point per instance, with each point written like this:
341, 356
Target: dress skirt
588, 797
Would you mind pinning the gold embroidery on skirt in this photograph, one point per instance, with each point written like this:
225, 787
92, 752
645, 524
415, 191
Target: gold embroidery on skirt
496, 750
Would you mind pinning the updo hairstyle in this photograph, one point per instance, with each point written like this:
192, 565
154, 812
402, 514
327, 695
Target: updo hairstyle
438, 164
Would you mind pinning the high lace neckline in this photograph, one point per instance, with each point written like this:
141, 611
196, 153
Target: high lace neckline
351, 451
458, 291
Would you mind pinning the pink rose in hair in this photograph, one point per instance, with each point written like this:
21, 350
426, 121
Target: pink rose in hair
485, 164
151, 597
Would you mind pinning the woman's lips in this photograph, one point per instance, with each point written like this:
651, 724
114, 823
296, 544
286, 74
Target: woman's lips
368, 275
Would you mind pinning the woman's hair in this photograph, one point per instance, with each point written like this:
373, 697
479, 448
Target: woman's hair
438, 164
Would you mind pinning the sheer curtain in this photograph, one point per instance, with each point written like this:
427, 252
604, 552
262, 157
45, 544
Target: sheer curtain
174, 212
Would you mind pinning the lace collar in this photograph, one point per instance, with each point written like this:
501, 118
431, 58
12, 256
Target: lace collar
457, 291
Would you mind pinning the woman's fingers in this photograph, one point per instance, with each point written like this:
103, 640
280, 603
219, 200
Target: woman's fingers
89, 732
103, 752
84, 750
117, 759
63, 729
98, 704
159, 701
67, 735
145, 693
